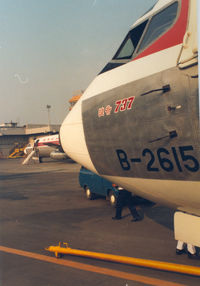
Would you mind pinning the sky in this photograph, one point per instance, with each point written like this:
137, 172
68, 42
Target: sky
52, 49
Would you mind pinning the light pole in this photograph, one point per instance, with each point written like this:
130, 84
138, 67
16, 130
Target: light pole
48, 110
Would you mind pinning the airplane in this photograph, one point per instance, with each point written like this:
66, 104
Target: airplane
137, 124
45, 147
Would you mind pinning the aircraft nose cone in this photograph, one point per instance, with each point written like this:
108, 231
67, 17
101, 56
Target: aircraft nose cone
73, 139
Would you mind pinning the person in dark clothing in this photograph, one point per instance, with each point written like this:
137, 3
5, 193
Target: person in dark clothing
125, 198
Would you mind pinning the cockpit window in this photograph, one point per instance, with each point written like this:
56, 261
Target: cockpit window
127, 50
159, 24
130, 43
143, 35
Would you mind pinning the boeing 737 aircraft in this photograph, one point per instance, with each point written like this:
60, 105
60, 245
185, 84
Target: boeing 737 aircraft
137, 124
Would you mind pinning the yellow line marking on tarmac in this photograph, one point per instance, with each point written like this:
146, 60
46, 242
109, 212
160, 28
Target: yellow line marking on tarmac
100, 270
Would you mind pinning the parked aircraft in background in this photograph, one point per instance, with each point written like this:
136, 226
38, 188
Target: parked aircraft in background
44, 147
137, 124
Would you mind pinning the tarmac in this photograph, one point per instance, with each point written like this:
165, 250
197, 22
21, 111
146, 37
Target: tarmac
42, 204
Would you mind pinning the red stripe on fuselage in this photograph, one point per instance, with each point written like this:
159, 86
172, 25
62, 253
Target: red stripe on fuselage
45, 143
171, 38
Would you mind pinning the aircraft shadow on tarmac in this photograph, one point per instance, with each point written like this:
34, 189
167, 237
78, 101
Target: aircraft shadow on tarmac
160, 214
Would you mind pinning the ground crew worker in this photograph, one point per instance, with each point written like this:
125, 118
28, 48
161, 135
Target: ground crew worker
125, 198
191, 250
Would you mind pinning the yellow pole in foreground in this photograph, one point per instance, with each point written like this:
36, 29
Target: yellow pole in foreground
186, 269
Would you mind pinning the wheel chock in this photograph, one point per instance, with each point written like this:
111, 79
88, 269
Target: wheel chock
63, 248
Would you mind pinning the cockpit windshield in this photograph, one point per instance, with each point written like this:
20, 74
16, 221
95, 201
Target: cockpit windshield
130, 43
143, 35
159, 24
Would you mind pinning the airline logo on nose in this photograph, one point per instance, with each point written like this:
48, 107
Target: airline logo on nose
104, 111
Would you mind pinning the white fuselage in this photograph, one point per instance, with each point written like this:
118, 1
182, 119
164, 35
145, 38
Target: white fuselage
41, 144
181, 194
